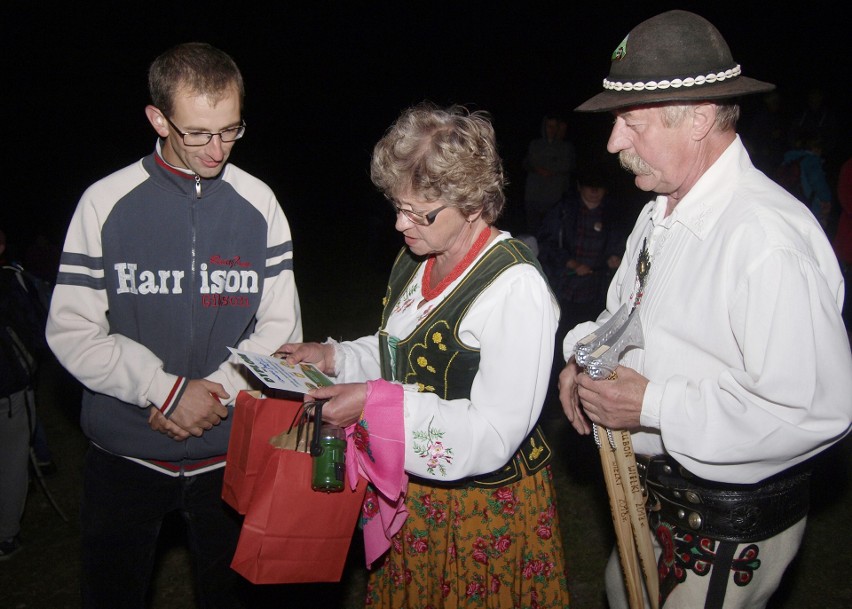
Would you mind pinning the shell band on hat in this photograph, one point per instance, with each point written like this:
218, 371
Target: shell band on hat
652, 85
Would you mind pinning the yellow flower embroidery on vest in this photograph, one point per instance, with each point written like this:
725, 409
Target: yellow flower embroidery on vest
438, 339
424, 363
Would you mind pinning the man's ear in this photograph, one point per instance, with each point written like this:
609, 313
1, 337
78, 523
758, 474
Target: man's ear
703, 119
157, 120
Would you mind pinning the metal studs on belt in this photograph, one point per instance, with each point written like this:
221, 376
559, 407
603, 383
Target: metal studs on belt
694, 520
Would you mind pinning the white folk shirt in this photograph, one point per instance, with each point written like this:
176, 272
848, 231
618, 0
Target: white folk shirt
513, 322
746, 352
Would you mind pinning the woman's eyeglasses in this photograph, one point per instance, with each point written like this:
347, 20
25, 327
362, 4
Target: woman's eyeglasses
419, 218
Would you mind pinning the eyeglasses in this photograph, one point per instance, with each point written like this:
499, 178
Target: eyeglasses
421, 219
202, 138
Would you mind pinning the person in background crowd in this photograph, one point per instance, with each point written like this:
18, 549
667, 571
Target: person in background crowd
22, 347
580, 246
550, 163
843, 237
802, 173
766, 130
818, 115
166, 264
746, 371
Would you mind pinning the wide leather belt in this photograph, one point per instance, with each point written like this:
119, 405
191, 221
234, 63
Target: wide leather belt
742, 513
532, 456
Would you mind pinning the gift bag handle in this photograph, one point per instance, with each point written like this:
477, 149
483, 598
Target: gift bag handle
300, 421
316, 448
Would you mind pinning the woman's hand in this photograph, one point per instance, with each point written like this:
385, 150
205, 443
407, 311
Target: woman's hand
320, 355
569, 398
345, 402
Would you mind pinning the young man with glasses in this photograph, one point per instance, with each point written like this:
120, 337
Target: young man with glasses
166, 264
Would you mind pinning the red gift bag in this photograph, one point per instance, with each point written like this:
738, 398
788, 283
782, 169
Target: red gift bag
256, 420
291, 533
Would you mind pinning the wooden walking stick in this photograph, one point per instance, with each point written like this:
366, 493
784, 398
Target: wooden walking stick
600, 355
618, 504
625, 459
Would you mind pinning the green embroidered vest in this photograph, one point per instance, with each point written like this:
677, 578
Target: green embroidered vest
434, 357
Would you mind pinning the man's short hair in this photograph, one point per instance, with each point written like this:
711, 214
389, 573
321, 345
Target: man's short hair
197, 66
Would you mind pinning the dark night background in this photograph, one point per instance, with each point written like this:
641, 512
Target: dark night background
325, 79
323, 82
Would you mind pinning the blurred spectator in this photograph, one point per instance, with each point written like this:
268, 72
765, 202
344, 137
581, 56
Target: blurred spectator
843, 237
802, 173
549, 163
819, 117
765, 131
22, 345
580, 245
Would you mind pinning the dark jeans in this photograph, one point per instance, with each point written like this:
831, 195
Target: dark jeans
122, 512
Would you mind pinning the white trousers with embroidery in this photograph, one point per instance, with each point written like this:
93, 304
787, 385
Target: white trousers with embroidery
775, 554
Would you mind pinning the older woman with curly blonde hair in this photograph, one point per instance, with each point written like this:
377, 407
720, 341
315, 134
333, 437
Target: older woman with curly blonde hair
442, 403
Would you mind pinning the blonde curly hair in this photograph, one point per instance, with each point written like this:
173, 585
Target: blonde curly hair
448, 154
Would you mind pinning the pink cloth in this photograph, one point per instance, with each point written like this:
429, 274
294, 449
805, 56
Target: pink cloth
376, 451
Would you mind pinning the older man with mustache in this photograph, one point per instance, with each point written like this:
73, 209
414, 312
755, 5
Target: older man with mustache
745, 373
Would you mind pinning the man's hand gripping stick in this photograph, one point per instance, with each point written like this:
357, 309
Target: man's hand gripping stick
599, 354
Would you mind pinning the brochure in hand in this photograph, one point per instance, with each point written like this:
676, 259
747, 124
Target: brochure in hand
278, 374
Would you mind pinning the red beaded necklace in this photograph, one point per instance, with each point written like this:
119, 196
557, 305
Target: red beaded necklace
430, 293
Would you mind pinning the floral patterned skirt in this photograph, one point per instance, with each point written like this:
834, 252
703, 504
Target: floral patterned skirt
475, 547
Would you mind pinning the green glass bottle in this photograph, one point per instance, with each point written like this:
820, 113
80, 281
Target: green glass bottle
329, 454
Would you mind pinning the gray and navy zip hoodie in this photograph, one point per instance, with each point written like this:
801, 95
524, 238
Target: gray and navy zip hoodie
160, 273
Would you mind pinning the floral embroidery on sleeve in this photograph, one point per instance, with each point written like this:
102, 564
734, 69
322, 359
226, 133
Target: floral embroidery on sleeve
428, 445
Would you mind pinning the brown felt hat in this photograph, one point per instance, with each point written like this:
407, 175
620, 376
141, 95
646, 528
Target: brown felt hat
675, 56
